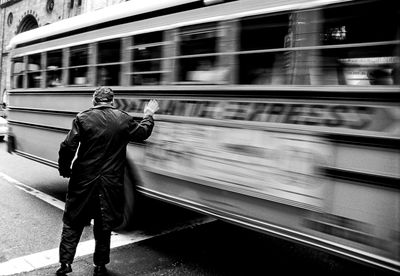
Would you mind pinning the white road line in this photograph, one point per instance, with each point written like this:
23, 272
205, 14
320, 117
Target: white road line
45, 197
49, 257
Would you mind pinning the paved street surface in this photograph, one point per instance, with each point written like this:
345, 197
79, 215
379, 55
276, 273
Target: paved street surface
167, 240
31, 203
217, 249
30, 219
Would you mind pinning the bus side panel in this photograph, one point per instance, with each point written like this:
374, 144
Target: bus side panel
286, 196
58, 101
351, 225
371, 213
47, 120
37, 143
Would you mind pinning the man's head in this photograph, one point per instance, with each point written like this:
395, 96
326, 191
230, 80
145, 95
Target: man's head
103, 95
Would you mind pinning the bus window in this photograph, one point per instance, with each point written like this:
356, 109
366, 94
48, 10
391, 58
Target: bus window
78, 71
34, 71
146, 59
370, 31
54, 69
259, 63
18, 72
198, 61
109, 58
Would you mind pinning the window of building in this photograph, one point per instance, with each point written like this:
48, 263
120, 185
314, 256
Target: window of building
50, 6
10, 18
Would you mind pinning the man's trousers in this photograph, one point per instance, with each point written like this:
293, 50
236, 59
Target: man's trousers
70, 238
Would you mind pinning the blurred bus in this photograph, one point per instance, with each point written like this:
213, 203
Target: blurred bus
280, 116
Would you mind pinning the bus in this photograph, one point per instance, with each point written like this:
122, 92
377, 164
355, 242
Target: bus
278, 116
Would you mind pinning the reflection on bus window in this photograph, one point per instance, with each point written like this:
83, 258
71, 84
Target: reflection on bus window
34, 71
369, 70
197, 49
258, 36
78, 65
146, 59
109, 58
263, 69
207, 72
372, 64
53, 69
203, 71
18, 72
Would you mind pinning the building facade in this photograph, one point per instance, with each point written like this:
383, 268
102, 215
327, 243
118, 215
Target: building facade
17, 16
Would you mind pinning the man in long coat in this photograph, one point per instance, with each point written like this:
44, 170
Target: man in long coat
100, 136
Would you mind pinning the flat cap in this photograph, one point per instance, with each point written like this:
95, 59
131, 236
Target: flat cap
103, 94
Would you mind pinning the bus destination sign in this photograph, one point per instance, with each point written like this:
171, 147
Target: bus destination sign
357, 117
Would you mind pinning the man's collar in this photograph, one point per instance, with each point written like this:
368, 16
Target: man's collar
103, 105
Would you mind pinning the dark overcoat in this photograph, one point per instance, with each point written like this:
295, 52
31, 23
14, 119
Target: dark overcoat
99, 136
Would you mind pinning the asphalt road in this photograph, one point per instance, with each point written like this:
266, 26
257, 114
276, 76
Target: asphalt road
168, 241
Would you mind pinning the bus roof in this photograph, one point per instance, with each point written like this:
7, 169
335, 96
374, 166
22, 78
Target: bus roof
114, 12
138, 7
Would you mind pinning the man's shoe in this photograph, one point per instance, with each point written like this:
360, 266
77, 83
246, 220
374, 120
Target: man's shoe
64, 269
100, 270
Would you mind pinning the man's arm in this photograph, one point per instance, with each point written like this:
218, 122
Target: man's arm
141, 131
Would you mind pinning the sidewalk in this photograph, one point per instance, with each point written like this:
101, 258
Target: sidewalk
138, 254
155, 257
125, 260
